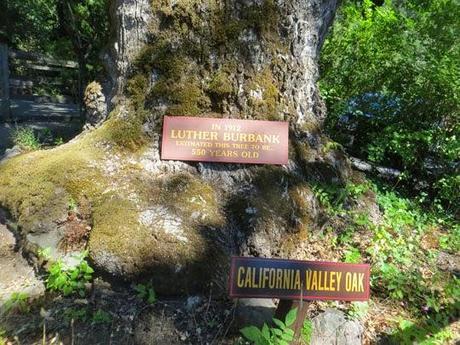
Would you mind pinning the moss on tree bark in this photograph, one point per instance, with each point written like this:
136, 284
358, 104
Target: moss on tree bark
175, 222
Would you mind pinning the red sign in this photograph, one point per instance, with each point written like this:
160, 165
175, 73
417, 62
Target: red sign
225, 140
293, 279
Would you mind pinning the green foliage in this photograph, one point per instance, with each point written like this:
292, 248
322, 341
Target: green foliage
352, 256
72, 205
58, 141
401, 265
25, 138
68, 29
333, 197
307, 331
3, 339
355, 190
330, 146
69, 280
101, 317
402, 249
44, 253
85, 314
433, 331
146, 292
450, 241
279, 335
19, 301
85, 23
358, 310
27, 24
390, 69
80, 314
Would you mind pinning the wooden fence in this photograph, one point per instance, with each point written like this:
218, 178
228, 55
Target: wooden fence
35, 77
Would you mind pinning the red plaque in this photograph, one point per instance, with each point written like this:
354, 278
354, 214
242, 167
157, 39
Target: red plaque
293, 279
225, 140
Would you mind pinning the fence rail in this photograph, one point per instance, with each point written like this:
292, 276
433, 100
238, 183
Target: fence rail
33, 77
41, 59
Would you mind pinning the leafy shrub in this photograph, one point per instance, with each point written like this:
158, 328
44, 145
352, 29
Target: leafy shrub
399, 261
85, 314
3, 340
307, 331
58, 141
26, 139
101, 317
279, 335
69, 280
390, 82
146, 292
81, 314
352, 256
358, 310
18, 302
430, 332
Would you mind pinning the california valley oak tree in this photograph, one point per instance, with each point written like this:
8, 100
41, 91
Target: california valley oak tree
175, 222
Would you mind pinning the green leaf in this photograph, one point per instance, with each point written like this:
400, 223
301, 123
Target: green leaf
289, 331
61, 280
266, 332
290, 317
152, 296
277, 331
287, 337
141, 289
74, 274
279, 323
67, 290
251, 333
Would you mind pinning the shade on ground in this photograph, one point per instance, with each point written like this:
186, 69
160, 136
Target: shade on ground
30, 110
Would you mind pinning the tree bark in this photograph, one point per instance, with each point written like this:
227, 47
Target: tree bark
238, 59
177, 223
128, 23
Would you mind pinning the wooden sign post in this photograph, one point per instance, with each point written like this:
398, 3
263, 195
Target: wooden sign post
293, 281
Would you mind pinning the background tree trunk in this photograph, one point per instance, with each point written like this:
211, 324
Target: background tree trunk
129, 23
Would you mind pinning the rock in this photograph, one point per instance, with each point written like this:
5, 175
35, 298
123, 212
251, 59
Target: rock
254, 311
16, 274
9, 153
449, 262
332, 327
193, 302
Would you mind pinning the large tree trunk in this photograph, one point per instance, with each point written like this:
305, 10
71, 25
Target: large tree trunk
175, 222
